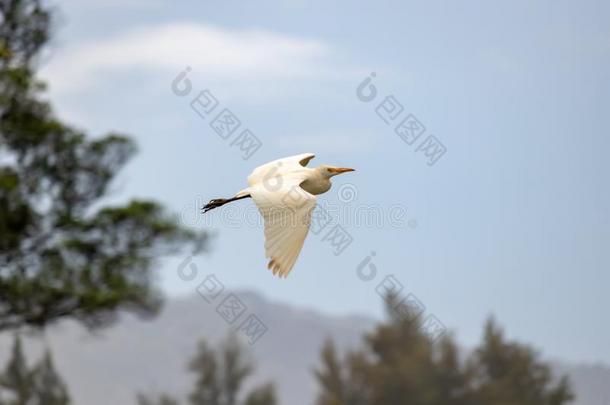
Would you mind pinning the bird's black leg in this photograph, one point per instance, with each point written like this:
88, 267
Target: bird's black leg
214, 204
220, 202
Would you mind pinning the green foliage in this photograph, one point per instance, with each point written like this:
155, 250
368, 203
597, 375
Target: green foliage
400, 364
341, 384
219, 378
62, 254
41, 385
48, 385
264, 395
17, 379
162, 400
507, 373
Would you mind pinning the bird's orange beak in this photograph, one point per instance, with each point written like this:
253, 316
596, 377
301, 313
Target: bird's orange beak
340, 170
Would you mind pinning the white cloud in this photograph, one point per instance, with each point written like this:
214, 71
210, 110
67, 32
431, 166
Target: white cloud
216, 52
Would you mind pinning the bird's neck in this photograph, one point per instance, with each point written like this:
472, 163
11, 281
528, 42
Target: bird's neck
316, 184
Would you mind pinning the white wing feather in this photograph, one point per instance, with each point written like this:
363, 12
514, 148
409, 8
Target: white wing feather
286, 209
279, 167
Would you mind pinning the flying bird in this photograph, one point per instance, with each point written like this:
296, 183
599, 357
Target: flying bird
284, 191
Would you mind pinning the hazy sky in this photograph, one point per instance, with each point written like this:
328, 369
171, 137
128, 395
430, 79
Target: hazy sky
512, 220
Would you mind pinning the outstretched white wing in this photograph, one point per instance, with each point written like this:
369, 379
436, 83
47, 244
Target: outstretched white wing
286, 209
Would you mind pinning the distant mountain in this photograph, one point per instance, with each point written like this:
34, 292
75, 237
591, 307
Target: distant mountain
150, 356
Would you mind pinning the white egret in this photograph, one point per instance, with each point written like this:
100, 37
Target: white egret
284, 191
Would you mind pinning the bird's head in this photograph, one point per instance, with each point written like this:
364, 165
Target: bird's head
330, 171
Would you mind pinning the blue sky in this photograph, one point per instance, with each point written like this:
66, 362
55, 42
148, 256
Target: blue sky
512, 220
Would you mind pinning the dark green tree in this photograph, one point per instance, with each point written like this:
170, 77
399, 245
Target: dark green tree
219, 377
208, 387
331, 377
510, 373
17, 380
49, 387
40, 385
162, 400
342, 384
62, 253
264, 395
401, 364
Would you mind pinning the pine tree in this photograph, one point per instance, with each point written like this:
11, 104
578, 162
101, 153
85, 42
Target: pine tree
48, 385
208, 390
17, 380
454, 379
61, 253
512, 373
401, 365
40, 385
221, 374
264, 395
163, 399
331, 377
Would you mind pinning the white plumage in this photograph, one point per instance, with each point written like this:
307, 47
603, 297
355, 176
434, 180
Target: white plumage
284, 191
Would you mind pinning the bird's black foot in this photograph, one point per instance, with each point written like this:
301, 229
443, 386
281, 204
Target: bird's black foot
213, 204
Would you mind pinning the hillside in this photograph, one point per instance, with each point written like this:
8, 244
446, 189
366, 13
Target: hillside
149, 356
